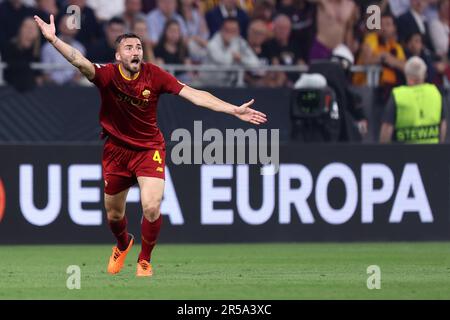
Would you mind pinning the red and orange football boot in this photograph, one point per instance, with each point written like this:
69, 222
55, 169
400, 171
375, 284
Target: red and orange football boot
117, 258
144, 269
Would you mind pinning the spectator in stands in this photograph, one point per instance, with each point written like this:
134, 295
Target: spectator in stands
50, 55
171, 48
344, 56
364, 4
157, 18
228, 48
19, 53
91, 31
336, 72
257, 34
415, 113
332, 20
283, 50
246, 5
398, 7
226, 9
207, 5
104, 51
140, 29
148, 5
414, 47
381, 47
439, 30
413, 21
265, 10
432, 11
47, 7
133, 12
197, 30
12, 14
106, 9
301, 13
44, 9
356, 30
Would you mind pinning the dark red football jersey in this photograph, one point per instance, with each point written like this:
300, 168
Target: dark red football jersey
128, 107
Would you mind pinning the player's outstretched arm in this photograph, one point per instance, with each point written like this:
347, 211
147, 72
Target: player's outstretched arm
71, 54
207, 100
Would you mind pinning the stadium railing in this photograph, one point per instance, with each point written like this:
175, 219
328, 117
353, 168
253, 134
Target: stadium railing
372, 71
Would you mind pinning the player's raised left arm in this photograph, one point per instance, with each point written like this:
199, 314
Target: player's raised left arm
74, 56
207, 100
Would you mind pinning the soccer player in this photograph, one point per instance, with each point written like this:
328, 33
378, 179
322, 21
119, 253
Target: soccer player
134, 150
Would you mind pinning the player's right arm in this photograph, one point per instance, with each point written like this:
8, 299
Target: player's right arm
71, 54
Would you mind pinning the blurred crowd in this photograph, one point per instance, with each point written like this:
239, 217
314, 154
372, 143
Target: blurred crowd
251, 33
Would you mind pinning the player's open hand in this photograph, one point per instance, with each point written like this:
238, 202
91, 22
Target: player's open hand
245, 113
48, 29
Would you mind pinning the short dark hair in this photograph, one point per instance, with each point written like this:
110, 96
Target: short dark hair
387, 14
412, 35
229, 19
126, 36
117, 20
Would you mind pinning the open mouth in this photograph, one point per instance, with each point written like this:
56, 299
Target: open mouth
135, 61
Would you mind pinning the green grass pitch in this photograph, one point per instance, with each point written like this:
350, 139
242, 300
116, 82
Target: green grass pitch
236, 271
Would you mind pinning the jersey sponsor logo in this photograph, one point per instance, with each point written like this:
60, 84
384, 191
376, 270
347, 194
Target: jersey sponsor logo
2, 200
159, 169
136, 102
146, 93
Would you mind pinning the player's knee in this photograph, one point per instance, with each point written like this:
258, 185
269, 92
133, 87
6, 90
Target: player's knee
151, 211
114, 214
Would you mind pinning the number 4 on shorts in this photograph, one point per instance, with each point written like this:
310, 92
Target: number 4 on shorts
157, 157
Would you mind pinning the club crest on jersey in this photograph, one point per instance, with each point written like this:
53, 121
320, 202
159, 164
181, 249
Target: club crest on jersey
146, 93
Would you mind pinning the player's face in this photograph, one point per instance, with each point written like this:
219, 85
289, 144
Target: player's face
129, 53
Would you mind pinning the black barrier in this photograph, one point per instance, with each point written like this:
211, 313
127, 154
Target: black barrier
53, 194
68, 114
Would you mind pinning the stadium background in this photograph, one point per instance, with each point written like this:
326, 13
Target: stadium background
50, 183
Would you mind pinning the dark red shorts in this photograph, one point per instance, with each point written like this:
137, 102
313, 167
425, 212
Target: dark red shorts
121, 166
